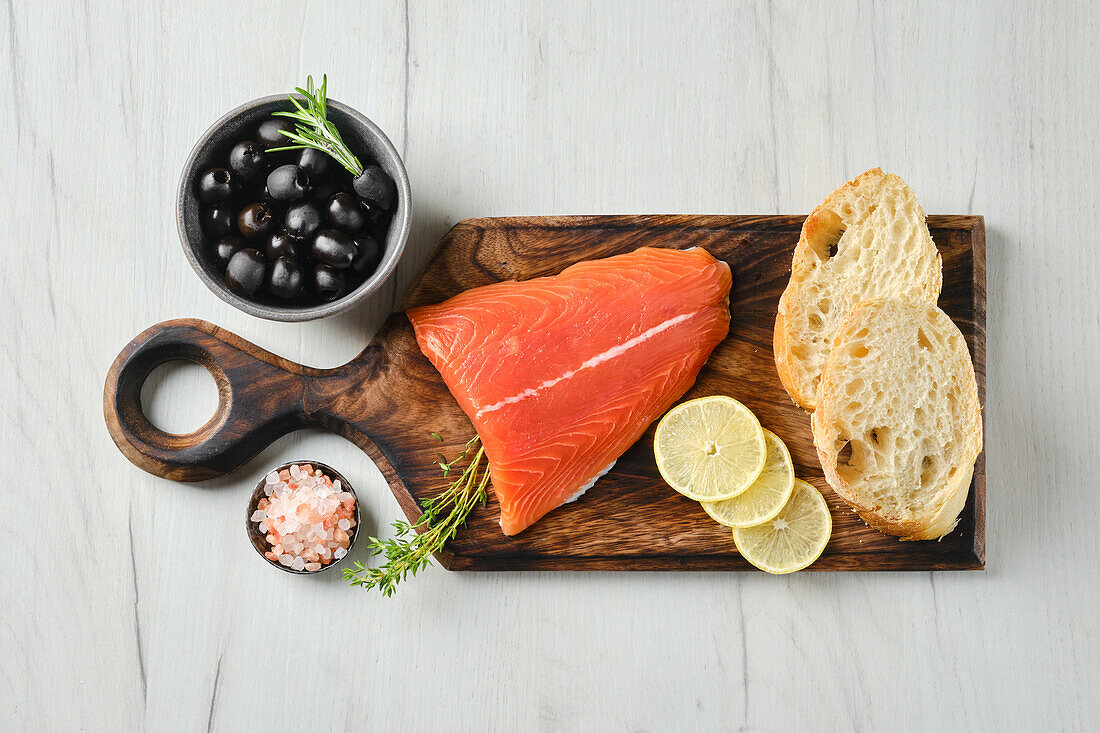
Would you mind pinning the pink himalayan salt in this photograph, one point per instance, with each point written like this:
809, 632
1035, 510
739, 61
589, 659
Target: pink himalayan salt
307, 517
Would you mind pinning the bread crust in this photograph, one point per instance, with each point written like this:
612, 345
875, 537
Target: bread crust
781, 350
969, 434
941, 525
818, 227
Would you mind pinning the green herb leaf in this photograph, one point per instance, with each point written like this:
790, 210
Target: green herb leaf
411, 548
313, 128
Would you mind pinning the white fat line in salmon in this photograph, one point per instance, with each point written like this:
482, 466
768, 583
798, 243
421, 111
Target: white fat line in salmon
579, 492
617, 350
590, 484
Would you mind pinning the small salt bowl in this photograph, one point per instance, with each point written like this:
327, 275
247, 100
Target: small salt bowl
258, 537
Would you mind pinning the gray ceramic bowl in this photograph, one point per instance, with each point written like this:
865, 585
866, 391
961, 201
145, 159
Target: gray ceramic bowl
259, 541
364, 138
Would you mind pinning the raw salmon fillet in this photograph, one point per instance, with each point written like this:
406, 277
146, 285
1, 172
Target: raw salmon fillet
560, 375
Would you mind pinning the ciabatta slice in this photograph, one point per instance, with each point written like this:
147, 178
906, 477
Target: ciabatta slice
898, 425
867, 240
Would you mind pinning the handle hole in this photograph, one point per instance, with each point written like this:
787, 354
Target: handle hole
179, 397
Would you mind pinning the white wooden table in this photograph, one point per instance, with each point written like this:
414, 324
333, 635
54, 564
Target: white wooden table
131, 602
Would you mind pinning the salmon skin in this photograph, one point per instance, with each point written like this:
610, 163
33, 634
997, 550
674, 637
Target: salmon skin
561, 374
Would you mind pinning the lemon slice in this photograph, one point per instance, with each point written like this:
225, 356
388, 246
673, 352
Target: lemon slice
765, 497
794, 538
710, 448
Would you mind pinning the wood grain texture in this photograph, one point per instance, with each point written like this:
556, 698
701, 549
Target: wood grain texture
631, 520
150, 608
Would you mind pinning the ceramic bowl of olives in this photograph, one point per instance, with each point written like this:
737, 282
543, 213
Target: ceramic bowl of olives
293, 235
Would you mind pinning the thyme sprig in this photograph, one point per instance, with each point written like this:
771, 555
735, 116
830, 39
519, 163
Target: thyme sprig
313, 128
410, 549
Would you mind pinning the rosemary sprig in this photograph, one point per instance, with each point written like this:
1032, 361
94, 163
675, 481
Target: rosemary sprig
411, 548
313, 128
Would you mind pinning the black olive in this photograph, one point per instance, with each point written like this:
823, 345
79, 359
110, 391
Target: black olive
285, 279
344, 213
376, 217
333, 247
269, 135
215, 186
218, 221
375, 187
288, 183
245, 273
247, 160
283, 244
303, 219
315, 163
367, 255
329, 284
256, 220
224, 249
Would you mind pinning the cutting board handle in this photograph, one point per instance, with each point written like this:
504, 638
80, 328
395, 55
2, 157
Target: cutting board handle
260, 397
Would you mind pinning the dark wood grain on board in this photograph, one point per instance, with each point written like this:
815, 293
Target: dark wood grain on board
388, 398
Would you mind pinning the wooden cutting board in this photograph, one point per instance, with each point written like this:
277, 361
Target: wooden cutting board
389, 398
